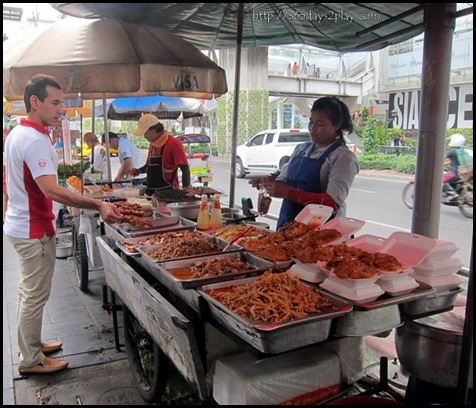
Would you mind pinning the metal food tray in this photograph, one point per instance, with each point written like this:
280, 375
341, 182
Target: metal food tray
259, 266
435, 302
361, 323
159, 224
145, 250
171, 196
422, 291
275, 337
136, 241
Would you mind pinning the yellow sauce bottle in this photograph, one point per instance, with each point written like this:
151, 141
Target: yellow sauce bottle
216, 220
203, 220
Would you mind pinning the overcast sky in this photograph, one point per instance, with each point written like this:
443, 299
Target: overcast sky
14, 29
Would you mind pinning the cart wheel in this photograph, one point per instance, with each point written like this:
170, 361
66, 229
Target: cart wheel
80, 257
149, 364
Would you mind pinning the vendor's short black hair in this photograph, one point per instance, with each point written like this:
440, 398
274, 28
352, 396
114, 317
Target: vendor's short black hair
112, 135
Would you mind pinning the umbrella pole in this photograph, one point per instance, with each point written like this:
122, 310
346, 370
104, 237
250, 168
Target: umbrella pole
234, 137
106, 138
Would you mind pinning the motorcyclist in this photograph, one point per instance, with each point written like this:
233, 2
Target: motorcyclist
455, 157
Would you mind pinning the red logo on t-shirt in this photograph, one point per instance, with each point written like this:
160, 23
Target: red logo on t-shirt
42, 163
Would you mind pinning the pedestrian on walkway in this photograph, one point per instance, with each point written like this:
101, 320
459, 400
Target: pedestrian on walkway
32, 187
295, 68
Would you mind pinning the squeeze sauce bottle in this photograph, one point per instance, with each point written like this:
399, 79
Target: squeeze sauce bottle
215, 217
203, 220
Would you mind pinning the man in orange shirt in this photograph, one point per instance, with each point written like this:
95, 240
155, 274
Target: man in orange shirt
166, 155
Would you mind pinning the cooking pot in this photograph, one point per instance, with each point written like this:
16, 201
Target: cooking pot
186, 209
64, 246
430, 349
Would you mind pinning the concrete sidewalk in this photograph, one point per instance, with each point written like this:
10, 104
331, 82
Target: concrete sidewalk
98, 374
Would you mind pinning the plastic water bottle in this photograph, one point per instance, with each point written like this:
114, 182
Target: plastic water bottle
203, 220
215, 217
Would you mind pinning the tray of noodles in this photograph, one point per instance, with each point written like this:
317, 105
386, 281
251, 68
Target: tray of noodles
274, 312
204, 270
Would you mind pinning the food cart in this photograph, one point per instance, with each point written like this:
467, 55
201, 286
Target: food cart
167, 319
200, 170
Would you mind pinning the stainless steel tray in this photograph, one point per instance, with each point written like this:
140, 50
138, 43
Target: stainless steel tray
173, 269
120, 244
160, 224
368, 322
436, 302
422, 291
276, 337
145, 250
142, 241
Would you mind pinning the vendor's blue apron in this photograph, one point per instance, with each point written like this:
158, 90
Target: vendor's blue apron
155, 173
304, 174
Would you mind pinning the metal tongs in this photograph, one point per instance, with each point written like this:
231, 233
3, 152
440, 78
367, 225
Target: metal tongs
240, 235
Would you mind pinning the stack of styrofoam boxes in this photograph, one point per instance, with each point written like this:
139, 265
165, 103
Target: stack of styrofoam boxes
299, 377
410, 250
439, 269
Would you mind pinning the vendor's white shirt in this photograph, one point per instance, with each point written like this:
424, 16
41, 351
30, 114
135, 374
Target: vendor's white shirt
30, 154
127, 149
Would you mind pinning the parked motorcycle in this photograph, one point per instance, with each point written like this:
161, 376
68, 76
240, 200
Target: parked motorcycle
463, 187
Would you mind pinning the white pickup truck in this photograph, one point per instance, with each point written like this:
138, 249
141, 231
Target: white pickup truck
268, 151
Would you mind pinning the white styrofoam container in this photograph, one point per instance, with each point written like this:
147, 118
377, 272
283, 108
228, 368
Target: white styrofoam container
367, 242
438, 267
243, 379
356, 295
440, 283
314, 215
308, 272
410, 249
398, 287
394, 276
442, 250
354, 283
346, 226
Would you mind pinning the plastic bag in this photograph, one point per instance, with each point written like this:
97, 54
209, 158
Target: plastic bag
264, 200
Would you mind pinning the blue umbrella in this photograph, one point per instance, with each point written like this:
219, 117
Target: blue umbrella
164, 107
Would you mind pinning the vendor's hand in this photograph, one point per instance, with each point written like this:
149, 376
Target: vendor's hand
256, 181
109, 212
134, 172
276, 189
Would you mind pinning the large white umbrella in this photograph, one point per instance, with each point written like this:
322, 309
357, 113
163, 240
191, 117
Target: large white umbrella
110, 58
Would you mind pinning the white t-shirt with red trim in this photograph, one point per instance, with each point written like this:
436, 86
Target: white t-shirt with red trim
30, 154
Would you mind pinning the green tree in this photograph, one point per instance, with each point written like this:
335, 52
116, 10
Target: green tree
365, 114
372, 137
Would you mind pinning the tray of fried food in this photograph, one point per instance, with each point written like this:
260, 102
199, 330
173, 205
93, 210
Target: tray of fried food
199, 191
192, 244
74, 183
203, 270
228, 233
274, 312
280, 247
130, 246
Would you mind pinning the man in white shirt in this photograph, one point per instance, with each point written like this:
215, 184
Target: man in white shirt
32, 185
129, 155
